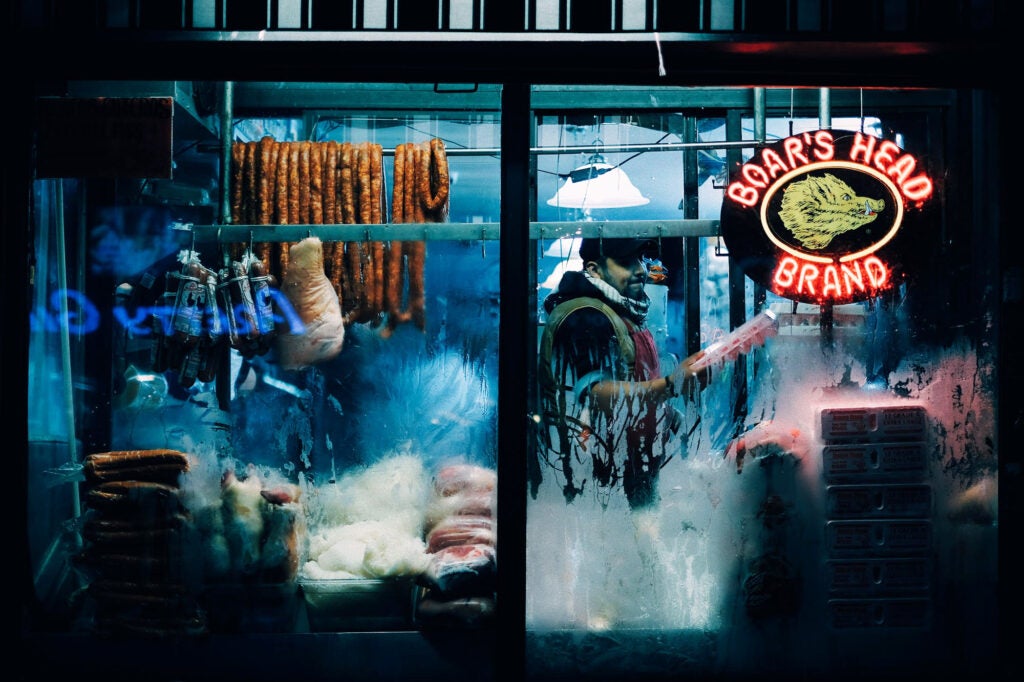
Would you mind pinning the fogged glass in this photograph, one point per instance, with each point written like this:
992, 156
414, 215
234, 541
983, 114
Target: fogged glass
767, 513
284, 434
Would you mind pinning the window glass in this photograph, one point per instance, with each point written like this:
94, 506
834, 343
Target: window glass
272, 430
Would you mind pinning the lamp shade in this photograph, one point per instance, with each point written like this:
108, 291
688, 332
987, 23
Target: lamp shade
597, 185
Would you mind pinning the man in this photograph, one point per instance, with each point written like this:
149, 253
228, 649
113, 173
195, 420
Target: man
607, 412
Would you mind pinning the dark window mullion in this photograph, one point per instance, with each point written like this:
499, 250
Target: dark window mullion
517, 343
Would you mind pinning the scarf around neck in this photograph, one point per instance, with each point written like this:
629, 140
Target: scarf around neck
635, 308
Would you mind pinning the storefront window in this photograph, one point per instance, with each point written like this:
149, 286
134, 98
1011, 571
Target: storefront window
263, 385
758, 514
280, 430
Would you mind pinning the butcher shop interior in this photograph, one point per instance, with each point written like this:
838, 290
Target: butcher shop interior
287, 272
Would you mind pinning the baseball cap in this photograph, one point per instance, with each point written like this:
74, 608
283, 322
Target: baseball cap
619, 249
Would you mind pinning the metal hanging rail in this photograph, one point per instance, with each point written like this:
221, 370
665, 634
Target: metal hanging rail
469, 231
352, 232
606, 148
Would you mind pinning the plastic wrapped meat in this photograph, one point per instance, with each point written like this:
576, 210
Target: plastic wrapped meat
462, 570
767, 439
461, 530
460, 612
456, 478
281, 552
462, 489
315, 302
462, 503
243, 520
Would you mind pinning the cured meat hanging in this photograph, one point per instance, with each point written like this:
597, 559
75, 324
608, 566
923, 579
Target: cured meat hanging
364, 160
200, 310
186, 327
420, 195
314, 183
313, 298
243, 296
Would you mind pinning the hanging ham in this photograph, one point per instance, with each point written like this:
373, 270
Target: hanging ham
315, 302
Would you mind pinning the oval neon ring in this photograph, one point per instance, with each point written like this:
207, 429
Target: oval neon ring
881, 177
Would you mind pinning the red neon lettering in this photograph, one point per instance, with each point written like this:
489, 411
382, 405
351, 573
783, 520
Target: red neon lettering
918, 188
870, 151
831, 289
808, 273
742, 194
845, 281
785, 273
902, 169
894, 165
852, 276
863, 146
795, 152
887, 152
755, 175
825, 149
773, 163
876, 271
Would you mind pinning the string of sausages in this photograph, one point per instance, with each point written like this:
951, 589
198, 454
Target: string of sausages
419, 195
314, 183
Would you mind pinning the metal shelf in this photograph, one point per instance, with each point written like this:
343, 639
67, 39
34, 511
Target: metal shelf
454, 231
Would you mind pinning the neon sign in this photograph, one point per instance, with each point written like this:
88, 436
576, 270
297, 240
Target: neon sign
80, 315
822, 218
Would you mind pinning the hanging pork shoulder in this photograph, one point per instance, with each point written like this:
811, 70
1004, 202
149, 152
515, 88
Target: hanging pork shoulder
315, 303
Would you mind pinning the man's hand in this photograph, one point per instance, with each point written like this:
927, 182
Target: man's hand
686, 380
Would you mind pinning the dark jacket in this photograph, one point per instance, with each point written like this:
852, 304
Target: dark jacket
583, 348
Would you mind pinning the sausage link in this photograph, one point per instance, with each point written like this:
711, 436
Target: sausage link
251, 196
363, 184
304, 188
421, 180
264, 175
398, 185
353, 277
436, 198
376, 158
281, 185
409, 198
237, 181
234, 295
189, 304
275, 152
393, 287
347, 189
376, 182
417, 289
316, 183
293, 183
265, 252
334, 252
366, 289
330, 182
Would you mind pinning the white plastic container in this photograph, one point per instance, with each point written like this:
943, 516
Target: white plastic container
740, 341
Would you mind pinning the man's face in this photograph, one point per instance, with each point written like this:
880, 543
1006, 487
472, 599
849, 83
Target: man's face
627, 276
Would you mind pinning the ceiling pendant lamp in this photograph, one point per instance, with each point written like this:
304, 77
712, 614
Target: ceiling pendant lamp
597, 185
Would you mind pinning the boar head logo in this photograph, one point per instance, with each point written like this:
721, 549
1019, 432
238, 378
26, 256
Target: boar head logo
820, 208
